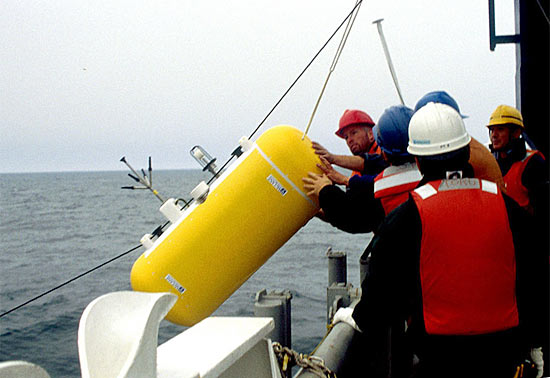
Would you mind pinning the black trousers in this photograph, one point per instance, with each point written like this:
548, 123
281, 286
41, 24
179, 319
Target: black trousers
490, 355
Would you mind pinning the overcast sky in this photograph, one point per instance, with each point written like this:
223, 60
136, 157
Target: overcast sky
84, 83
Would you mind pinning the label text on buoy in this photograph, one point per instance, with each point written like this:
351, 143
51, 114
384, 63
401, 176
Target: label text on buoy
276, 184
172, 281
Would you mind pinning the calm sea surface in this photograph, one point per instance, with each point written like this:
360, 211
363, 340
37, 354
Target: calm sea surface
55, 226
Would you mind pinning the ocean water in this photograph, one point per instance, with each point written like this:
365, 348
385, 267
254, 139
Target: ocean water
55, 226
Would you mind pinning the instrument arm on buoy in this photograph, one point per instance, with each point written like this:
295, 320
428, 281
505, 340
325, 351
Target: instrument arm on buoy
146, 182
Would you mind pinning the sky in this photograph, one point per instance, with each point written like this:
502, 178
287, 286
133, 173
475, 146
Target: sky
85, 82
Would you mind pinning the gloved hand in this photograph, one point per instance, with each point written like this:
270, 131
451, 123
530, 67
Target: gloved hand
536, 357
344, 315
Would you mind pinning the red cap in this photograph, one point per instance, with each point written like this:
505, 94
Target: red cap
352, 118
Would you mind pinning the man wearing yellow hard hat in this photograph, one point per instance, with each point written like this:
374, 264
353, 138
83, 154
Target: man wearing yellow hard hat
525, 174
524, 171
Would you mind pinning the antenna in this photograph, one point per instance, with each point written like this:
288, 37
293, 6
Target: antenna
147, 182
388, 58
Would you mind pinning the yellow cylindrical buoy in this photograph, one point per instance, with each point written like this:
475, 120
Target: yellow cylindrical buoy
250, 212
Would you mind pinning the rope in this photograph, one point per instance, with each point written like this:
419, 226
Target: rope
288, 358
339, 50
69, 281
329, 328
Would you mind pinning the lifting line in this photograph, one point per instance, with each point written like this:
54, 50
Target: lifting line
307, 66
339, 50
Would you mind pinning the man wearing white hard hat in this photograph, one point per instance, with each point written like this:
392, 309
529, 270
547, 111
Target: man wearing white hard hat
484, 164
455, 262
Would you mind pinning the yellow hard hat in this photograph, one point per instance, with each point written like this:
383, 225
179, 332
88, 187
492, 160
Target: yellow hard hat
505, 115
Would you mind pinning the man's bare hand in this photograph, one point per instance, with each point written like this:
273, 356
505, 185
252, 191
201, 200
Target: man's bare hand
333, 175
314, 182
351, 162
322, 152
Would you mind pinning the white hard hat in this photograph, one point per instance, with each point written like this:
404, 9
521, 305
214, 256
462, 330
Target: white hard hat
436, 129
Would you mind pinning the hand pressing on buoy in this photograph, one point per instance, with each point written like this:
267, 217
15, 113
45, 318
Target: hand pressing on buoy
333, 175
314, 182
323, 152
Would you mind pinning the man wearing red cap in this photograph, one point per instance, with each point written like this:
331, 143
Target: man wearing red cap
355, 128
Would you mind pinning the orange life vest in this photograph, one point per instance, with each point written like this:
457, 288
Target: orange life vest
374, 149
467, 258
393, 184
512, 181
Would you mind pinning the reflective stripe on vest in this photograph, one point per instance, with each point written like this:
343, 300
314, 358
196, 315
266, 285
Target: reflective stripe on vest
467, 258
512, 181
393, 184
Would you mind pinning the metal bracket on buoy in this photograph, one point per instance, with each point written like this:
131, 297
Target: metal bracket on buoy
147, 241
200, 192
171, 210
246, 144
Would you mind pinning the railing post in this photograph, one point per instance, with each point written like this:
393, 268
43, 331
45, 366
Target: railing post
276, 305
337, 267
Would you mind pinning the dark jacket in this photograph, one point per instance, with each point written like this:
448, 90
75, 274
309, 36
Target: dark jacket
355, 210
